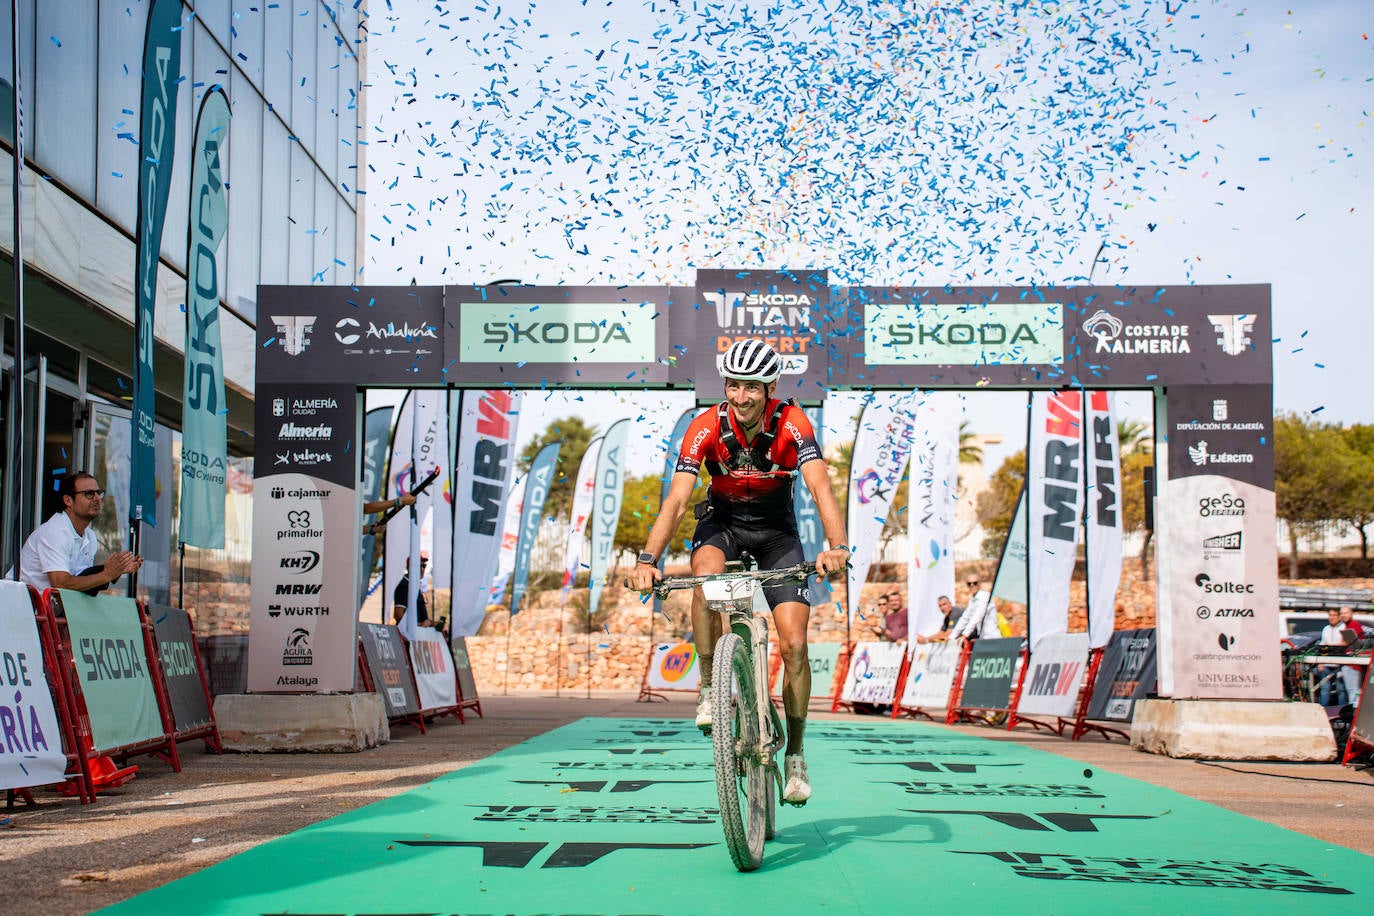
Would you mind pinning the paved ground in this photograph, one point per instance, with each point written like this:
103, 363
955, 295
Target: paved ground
62, 857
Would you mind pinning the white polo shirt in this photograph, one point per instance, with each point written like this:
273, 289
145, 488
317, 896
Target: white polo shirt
55, 546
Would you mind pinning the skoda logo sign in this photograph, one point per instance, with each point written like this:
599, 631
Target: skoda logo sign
344, 331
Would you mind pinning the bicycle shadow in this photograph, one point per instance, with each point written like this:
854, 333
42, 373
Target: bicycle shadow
798, 843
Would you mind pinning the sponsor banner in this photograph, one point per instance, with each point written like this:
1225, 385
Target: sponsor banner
789, 310
823, 658
962, 334
1125, 676
1363, 726
1054, 505
376, 433
886, 435
542, 334
1103, 512
486, 462
203, 412
991, 665
872, 675
1184, 335
351, 334
467, 686
673, 666
440, 495
809, 527
1010, 584
156, 153
610, 484
31, 753
923, 336
433, 666
176, 649
307, 429
933, 497
112, 666
386, 662
581, 512
531, 513
302, 615
1222, 430
1219, 602
1057, 667
931, 674
418, 446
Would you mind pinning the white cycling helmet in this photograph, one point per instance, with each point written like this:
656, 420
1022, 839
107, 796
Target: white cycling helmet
750, 361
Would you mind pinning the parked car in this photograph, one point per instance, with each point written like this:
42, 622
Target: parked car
1294, 623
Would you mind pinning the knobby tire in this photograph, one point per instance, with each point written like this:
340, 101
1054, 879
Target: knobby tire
742, 785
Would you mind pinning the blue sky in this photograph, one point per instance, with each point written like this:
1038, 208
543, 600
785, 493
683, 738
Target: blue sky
1202, 142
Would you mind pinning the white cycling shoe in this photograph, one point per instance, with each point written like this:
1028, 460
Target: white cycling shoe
798, 788
704, 712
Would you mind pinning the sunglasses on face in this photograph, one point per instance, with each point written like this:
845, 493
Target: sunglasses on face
90, 494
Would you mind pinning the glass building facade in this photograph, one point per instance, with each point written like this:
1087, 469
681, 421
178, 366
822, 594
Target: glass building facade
293, 73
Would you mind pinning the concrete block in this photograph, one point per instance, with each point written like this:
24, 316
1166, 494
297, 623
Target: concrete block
1233, 730
320, 723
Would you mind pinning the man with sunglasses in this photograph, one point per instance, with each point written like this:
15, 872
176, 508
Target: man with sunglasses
61, 552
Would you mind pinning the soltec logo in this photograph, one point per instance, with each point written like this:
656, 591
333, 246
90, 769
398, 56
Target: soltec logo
344, 331
295, 332
1233, 332
1204, 582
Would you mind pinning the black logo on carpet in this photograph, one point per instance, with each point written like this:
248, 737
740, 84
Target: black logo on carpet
1066, 821
1269, 876
1004, 789
512, 854
927, 766
620, 785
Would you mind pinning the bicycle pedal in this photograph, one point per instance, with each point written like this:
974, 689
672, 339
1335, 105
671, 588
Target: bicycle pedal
794, 804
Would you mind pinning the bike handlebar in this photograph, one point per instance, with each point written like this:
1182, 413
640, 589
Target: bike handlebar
800, 572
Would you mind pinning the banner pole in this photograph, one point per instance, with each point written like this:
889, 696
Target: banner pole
505, 684
135, 537
1087, 548
181, 574
14, 491
558, 665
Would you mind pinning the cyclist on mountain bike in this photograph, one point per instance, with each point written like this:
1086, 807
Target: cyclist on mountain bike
752, 445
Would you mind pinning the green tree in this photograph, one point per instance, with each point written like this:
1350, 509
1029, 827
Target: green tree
1312, 461
1357, 485
970, 452
639, 510
575, 435
997, 504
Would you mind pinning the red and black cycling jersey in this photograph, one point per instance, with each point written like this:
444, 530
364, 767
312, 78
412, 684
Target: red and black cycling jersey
741, 474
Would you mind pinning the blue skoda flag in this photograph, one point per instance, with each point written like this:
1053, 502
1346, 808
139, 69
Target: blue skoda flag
156, 146
203, 424
610, 487
536, 492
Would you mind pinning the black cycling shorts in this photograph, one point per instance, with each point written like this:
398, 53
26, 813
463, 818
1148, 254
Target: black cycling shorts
774, 546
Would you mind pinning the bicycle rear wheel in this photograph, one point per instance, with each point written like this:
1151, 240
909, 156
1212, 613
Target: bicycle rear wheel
742, 784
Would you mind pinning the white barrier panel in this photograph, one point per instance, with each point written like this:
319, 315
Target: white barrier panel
931, 674
1056, 672
31, 749
433, 666
872, 675
673, 666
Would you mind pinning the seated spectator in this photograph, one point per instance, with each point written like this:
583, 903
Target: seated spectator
60, 553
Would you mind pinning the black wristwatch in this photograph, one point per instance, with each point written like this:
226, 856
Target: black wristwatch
648, 558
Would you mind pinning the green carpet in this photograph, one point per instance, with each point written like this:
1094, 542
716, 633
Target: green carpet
618, 816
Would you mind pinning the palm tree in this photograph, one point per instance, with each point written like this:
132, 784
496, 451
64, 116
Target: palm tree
970, 452
1133, 436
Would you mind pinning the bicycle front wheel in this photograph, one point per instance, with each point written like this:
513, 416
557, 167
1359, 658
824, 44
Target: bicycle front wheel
742, 783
